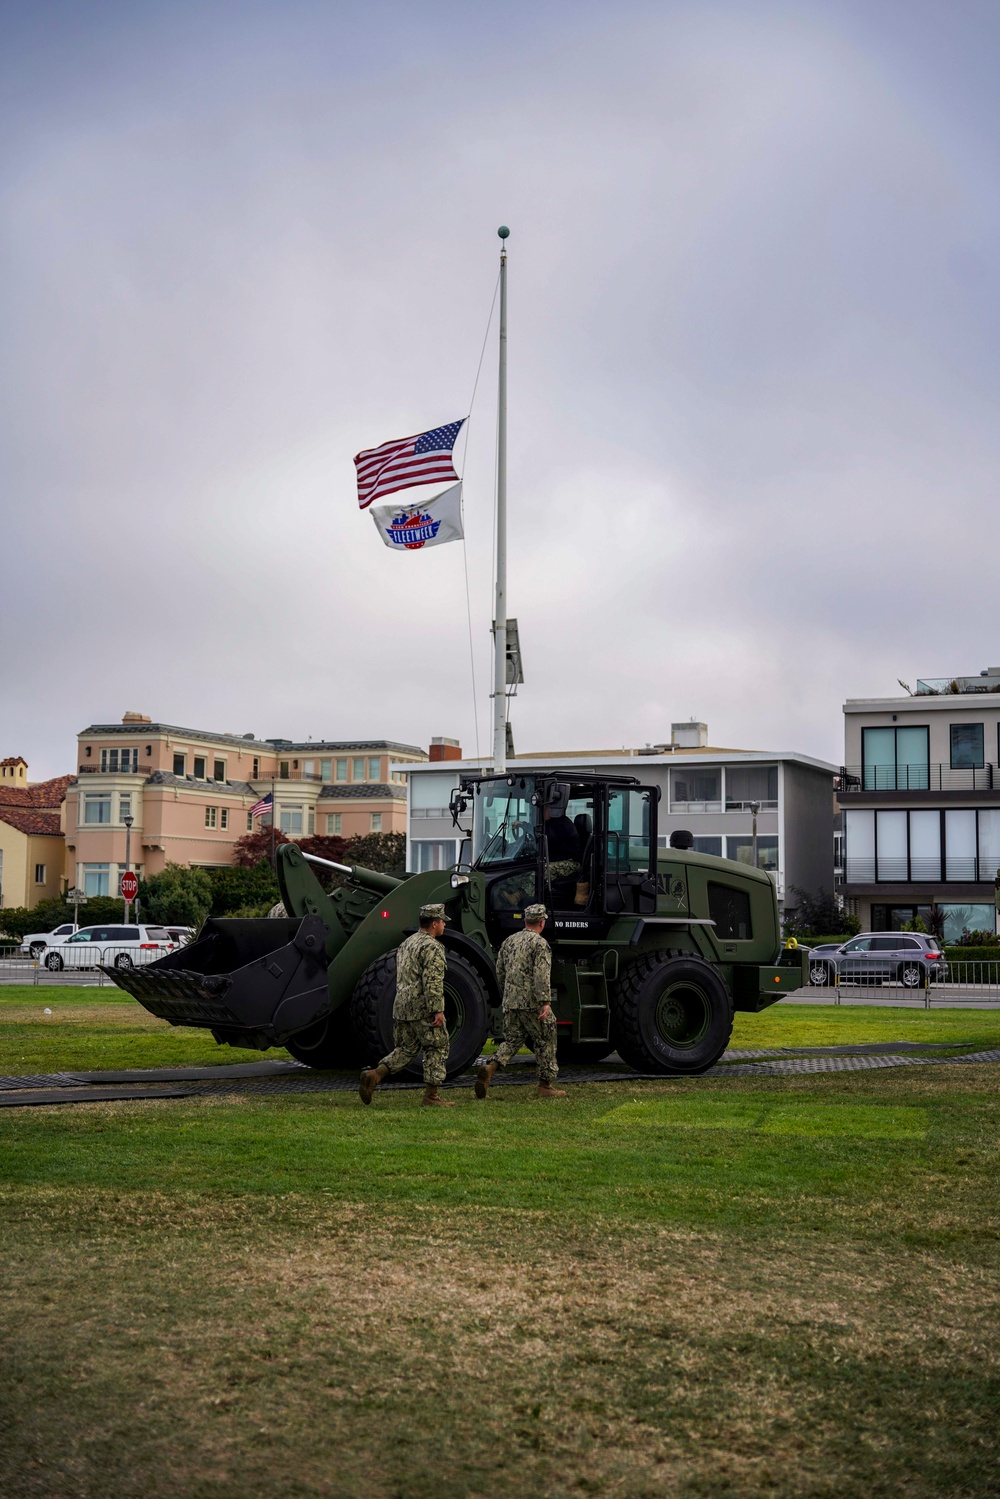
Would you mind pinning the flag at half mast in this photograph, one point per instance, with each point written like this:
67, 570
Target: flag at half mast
426, 458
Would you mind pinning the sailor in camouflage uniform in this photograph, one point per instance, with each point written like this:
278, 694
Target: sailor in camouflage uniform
524, 973
418, 1011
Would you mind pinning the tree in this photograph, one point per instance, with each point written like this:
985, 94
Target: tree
818, 915
238, 887
384, 852
177, 894
252, 847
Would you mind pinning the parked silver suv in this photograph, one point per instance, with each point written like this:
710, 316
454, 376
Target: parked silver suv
912, 959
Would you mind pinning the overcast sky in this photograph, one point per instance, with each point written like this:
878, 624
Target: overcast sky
754, 297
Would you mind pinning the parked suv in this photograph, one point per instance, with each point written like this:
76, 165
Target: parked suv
36, 942
908, 958
117, 946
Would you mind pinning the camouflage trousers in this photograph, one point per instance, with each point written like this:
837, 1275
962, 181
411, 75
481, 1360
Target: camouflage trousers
561, 869
413, 1037
523, 1028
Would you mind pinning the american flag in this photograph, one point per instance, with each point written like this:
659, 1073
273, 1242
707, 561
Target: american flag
259, 808
423, 459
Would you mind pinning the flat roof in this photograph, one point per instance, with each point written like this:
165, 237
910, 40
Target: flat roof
632, 761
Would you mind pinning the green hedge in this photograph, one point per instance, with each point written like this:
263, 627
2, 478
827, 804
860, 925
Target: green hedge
972, 954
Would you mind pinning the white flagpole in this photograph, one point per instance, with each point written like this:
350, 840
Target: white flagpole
500, 610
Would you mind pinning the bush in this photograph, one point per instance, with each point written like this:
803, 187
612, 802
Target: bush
178, 894
384, 852
977, 939
239, 887
819, 912
252, 848
18, 921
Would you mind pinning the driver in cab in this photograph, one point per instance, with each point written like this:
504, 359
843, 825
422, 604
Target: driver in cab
561, 837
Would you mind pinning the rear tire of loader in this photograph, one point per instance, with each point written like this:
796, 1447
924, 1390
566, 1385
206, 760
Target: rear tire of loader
466, 1010
671, 1013
329, 1045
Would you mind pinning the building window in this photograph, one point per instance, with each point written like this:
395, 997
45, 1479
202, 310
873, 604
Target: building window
97, 809
967, 746
374, 769
359, 770
751, 783
896, 759
741, 849
376, 822
334, 824
211, 816
309, 769
708, 845
219, 769
696, 789
341, 770
311, 822
39, 874
432, 853
95, 879
115, 760
249, 822
124, 808
199, 767
325, 770
282, 770
179, 765
291, 821
224, 818
958, 918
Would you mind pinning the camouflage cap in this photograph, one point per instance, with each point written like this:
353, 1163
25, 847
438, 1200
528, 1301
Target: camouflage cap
434, 912
535, 913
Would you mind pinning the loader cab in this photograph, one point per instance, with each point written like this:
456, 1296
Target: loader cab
585, 845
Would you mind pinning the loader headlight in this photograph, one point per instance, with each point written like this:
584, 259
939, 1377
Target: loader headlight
459, 879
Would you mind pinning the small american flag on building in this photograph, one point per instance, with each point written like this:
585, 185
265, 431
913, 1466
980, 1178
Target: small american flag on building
423, 459
259, 808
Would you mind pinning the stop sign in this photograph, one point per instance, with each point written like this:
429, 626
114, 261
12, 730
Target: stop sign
129, 885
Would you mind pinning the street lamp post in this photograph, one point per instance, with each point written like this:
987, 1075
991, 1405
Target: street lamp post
128, 820
754, 809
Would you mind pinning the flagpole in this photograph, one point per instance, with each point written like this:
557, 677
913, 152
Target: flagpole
500, 610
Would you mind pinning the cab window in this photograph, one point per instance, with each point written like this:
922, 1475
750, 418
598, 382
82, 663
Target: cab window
729, 908
628, 832
504, 822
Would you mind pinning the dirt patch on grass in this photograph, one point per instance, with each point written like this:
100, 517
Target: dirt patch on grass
226, 1348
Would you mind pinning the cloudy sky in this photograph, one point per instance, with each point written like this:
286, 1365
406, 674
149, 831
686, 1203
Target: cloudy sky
754, 299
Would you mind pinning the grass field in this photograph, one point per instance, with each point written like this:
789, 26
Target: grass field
722, 1287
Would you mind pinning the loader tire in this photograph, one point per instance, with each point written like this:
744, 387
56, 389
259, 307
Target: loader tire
466, 1012
329, 1045
671, 1013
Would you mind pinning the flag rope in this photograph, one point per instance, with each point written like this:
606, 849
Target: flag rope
465, 550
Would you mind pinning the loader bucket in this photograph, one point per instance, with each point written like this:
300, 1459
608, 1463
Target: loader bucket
251, 983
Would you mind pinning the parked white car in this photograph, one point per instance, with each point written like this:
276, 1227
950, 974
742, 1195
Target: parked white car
36, 942
117, 946
180, 936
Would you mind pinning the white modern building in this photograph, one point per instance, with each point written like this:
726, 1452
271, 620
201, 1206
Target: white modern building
920, 794
707, 791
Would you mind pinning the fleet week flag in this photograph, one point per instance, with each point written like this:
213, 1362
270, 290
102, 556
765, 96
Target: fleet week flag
409, 528
423, 459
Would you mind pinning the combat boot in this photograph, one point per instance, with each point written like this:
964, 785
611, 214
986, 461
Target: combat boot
546, 1090
483, 1079
432, 1096
370, 1080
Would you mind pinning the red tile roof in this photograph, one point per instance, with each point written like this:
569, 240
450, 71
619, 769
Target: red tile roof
46, 796
44, 823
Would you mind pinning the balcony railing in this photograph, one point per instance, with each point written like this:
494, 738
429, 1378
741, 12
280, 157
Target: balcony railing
895, 869
918, 778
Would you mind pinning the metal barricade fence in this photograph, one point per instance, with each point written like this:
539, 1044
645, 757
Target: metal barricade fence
79, 964
968, 982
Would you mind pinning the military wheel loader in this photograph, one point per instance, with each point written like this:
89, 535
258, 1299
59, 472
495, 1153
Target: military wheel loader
653, 949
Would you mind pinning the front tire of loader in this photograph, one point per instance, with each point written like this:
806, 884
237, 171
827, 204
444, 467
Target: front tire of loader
330, 1044
466, 1011
671, 1013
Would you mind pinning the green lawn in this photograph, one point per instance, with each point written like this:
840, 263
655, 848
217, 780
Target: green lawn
780, 1286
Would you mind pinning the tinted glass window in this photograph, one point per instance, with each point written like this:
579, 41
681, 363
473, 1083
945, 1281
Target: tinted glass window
966, 745
123, 934
158, 934
730, 910
860, 944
